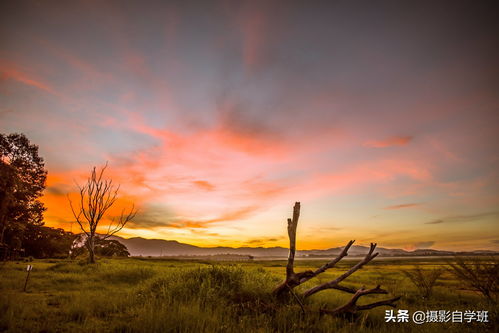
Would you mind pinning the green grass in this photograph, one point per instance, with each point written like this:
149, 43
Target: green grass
134, 295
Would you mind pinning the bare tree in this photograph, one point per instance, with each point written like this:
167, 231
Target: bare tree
295, 279
97, 196
479, 274
424, 280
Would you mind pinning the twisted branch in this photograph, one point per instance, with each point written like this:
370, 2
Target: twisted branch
295, 279
328, 285
352, 307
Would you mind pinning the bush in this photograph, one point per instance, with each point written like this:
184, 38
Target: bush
424, 280
215, 285
481, 275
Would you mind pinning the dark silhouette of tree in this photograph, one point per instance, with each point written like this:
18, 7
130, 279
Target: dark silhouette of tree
45, 242
111, 248
424, 280
478, 274
103, 247
22, 181
97, 196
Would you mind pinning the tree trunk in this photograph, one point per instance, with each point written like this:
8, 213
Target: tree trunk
91, 249
4, 226
4, 201
91, 258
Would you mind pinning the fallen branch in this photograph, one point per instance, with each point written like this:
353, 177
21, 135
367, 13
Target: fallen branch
351, 307
294, 279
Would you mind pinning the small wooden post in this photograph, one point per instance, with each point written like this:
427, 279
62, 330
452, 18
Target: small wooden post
29, 268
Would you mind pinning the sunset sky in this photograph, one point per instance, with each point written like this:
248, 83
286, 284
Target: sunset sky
216, 116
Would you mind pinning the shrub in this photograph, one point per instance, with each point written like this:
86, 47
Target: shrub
424, 280
481, 275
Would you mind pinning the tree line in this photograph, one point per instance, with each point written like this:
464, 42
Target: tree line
22, 231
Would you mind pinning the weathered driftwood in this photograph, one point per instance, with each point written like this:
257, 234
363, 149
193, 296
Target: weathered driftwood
294, 279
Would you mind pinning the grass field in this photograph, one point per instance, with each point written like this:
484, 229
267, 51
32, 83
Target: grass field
152, 295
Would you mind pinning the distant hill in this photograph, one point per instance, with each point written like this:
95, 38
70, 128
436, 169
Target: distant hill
138, 246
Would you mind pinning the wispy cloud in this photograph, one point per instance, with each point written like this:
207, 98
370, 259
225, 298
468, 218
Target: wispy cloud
389, 142
213, 125
424, 245
158, 217
408, 205
9, 71
203, 184
419, 245
91, 76
464, 218
59, 189
263, 240
435, 222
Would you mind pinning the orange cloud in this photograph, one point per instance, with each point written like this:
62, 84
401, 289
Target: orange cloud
146, 219
389, 142
229, 167
204, 185
401, 206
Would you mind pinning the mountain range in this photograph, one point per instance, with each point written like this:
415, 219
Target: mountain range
138, 246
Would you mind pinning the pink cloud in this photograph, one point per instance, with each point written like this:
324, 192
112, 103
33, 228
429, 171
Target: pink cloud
353, 177
237, 167
402, 206
12, 72
92, 74
253, 27
389, 142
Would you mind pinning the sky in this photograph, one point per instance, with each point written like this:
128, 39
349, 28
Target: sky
381, 118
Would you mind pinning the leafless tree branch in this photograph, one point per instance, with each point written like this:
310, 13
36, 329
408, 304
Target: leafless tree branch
352, 307
96, 197
295, 279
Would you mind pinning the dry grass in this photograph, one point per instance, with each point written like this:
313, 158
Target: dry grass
133, 295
